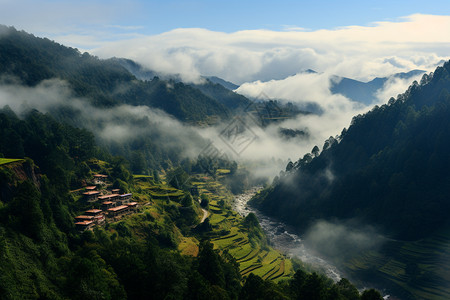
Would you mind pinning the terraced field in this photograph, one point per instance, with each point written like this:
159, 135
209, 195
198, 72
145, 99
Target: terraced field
4, 161
411, 270
252, 257
228, 232
163, 192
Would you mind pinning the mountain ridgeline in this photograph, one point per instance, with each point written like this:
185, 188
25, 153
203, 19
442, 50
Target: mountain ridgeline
149, 120
105, 97
154, 247
105, 82
365, 92
389, 168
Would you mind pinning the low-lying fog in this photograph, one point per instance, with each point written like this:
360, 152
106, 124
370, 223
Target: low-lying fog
262, 149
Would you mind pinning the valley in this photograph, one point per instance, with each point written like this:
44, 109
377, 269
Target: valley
283, 237
122, 182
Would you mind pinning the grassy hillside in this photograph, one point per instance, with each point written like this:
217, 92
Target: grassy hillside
4, 161
229, 234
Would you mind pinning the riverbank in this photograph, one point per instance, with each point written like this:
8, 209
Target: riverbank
282, 237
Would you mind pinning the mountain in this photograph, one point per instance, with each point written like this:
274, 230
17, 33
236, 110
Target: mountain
229, 85
44, 254
139, 71
389, 170
144, 73
105, 83
397, 147
153, 249
213, 87
105, 98
365, 92
233, 101
157, 246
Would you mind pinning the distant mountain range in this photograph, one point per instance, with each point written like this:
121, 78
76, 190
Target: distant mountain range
144, 73
213, 87
365, 92
357, 91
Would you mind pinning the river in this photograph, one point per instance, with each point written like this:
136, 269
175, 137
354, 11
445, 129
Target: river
282, 236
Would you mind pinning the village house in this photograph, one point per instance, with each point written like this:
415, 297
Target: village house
110, 197
91, 188
99, 217
107, 205
125, 198
91, 196
117, 211
84, 225
132, 206
82, 218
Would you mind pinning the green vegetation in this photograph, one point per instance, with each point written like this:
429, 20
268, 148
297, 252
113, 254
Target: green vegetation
241, 238
4, 161
105, 82
159, 251
389, 169
414, 270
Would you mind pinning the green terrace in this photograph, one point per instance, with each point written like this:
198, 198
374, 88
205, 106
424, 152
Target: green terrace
4, 161
253, 256
228, 233
416, 268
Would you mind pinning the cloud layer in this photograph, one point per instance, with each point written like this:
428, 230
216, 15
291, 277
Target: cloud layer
359, 52
271, 62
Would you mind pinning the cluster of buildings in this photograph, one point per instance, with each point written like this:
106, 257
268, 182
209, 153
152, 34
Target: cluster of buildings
113, 205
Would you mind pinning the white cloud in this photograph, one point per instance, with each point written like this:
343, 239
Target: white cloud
393, 87
270, 62
307, 88
360, 52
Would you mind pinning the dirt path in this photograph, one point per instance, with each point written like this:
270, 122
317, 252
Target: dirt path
205, 215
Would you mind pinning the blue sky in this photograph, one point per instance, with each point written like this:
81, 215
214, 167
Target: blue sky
120, 18
229, 16
245, 41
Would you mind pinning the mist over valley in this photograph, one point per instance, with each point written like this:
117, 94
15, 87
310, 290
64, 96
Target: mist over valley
215, 163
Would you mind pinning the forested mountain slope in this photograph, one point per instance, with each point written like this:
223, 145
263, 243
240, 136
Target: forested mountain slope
388, 173
389, 169
138, 256
105, 83
213, 87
